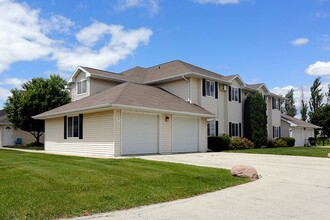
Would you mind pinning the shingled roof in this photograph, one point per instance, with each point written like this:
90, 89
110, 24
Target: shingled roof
297, 122
3, 118
131, 96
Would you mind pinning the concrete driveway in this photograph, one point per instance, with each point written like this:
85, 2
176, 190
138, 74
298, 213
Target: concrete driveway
290, 188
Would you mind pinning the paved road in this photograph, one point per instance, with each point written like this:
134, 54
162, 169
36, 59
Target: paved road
290, 188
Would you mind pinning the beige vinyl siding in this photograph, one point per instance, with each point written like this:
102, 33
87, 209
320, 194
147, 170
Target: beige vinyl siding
235, 109
285, 129
202, 135
117, 131
165, 134
195, 91
98, 136
222, 111
179, 88
26, 136
98, 85
81, 76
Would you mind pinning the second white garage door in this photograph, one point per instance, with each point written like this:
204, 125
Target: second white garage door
139, 133
185, 134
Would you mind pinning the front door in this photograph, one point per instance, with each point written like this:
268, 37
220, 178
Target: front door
8, 136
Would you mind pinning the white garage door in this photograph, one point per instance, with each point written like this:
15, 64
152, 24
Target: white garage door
185, 134
139, 133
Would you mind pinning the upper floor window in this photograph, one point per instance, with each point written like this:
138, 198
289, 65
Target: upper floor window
276, 103
82, 87
234, 94
210, 88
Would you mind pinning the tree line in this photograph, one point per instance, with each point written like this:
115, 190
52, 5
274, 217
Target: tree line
315, 110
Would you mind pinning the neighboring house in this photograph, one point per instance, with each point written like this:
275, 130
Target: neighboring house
297, 129
9, 133
167, 108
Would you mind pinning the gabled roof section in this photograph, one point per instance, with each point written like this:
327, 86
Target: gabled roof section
3, 118
130, 96
295, 122
258, 86
233, 77
177, 69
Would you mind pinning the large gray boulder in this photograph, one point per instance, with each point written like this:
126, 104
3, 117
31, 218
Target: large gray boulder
244, 171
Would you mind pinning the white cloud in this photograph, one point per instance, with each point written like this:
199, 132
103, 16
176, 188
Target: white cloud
121, 44
300, 42
15, 82
24, 37
57, 23
319, 68
21, 38
151, 5
218, 2
4, 93
299, 92
322, 14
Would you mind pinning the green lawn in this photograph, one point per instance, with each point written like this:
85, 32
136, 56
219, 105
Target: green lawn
41, 186
294, 151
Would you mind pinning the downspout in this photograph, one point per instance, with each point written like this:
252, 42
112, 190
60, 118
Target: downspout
188, 81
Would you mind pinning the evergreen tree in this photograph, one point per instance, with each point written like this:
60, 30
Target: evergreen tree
304, 107
289, 107
315, 101
255, 119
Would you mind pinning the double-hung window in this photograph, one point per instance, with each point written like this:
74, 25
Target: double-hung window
276, 132
235, 129
210, 88
73, 126
81, 87
211, 128
234, 94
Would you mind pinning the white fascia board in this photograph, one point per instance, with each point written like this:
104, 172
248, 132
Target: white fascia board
155, 110
79, 68
91, 109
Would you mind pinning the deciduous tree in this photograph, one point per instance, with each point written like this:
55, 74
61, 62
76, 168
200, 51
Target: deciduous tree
289, 107
36, 96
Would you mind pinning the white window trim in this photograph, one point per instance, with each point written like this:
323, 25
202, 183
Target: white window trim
208, 89
276, 131
77, 87
67, 126
234, 91
235, 125
213, 124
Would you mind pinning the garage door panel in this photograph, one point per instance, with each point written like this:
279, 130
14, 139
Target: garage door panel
185, 134
139, 134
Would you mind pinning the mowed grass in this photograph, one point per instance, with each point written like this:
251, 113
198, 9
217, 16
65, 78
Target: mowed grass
293, 151
41, 186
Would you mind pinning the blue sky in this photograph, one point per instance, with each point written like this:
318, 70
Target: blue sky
285, 44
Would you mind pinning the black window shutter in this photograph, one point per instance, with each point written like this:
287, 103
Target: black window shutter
229, 129
273, 132
216, 128
81, 126
65, 126
273, 104
240, 129
239, 95
279, 104
229, 92
204, 87
216, 89
279, 131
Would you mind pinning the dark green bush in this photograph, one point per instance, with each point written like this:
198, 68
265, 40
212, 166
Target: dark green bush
289, 140
270, 143
240, 143
34, 144
218, 143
